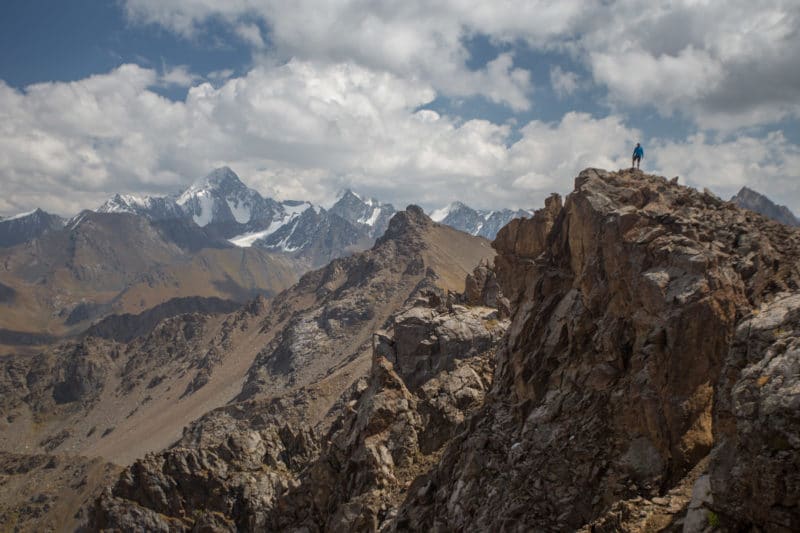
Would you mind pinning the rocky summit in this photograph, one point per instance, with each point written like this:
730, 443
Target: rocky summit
648, 380
625, 360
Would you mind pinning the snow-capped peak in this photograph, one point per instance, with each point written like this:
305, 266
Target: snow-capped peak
206, 198
125, 203
221, 176
222, 180
20, 215
437, 215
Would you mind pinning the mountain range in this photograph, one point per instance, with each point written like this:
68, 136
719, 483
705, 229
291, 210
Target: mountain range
229, 210
483, 223
159, 256
623, 359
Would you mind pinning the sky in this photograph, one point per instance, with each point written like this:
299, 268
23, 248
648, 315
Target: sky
496, 104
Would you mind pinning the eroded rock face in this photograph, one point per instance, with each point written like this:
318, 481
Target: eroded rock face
628, 299
395, 428
755, 471
225, 472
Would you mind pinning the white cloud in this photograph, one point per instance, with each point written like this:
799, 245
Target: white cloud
251, 34
306, 129
725, 65
769, 165
563, 81
411, 39
177, 76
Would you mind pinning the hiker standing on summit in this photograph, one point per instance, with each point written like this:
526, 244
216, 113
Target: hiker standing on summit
638, 154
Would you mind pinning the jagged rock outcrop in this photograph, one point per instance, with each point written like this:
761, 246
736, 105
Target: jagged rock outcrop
257, 465
755, 467
223, 475
519, 244
628, 301
429, 373
647, 381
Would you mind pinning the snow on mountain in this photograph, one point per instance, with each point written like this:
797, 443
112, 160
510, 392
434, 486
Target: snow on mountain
222, 199
437, 215
289, 212
229, 210
483, 223
20, 215
154, 208
317, 235
368, 213
27, 226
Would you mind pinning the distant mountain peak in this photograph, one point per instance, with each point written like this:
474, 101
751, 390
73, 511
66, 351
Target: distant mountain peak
481, 222
755, 201
222, 179
23, 227
363, 211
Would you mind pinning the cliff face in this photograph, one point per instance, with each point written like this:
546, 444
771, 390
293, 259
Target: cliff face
635, 351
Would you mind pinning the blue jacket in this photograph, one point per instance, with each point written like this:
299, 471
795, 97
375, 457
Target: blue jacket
638, 152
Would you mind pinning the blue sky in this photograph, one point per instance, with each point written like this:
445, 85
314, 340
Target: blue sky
495, 104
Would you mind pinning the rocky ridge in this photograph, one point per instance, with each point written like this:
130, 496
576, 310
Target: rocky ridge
299, 351
260, 464
647, 380
27, 226
636, 355
304, 379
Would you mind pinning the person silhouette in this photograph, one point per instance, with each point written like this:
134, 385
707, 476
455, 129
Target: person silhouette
638, 154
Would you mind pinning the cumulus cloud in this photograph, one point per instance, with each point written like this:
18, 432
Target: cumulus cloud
177, 76
410, 39
251, 34
306, 129
725, 65
769, 165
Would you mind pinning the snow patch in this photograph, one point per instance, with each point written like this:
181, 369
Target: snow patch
241, 211
440, 214
291, 212
205, 208
21, 215
246, 240
376, 213
72, 224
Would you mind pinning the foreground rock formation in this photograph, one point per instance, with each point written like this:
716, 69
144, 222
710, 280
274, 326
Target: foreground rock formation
638, 347
259, 465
